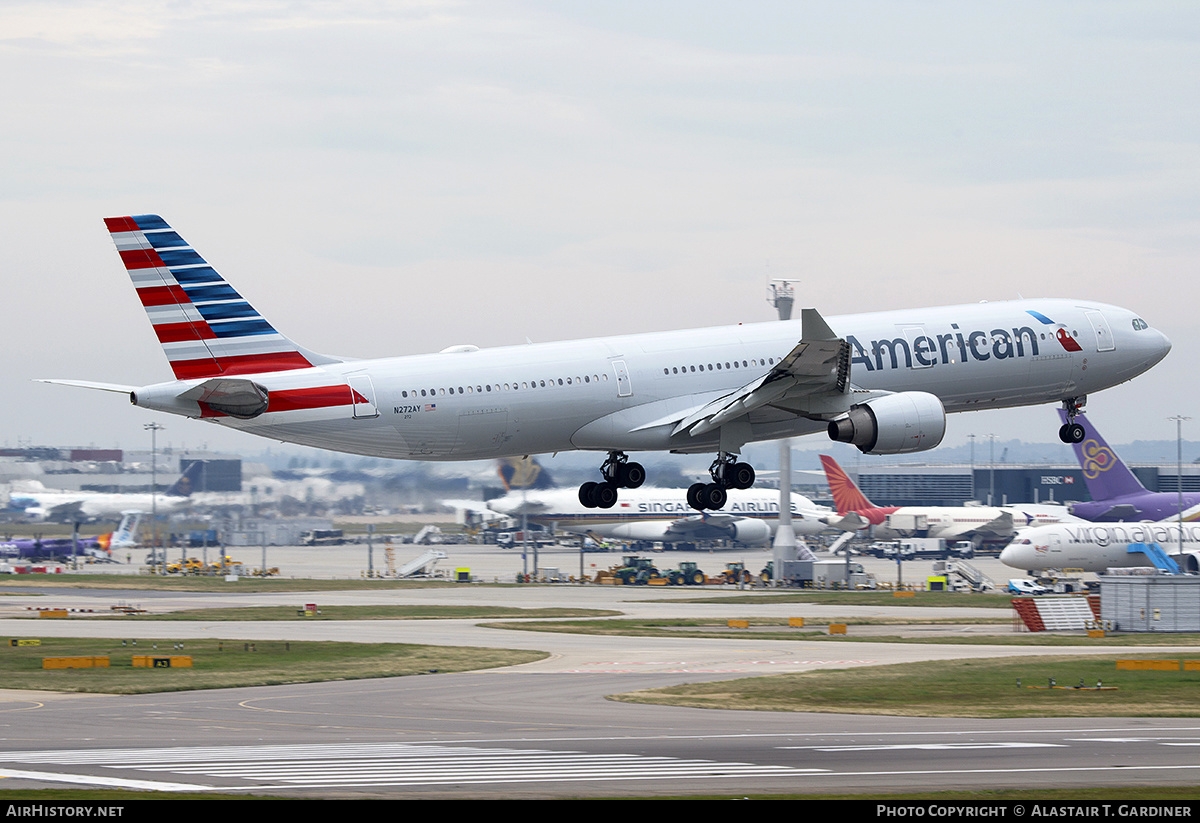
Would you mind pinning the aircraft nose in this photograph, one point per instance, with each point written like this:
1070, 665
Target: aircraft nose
1164, 345
1011, 556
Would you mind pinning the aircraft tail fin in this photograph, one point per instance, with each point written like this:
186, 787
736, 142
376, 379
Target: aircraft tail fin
205, 327
184, 486
1104, 473
846, 495
126, 534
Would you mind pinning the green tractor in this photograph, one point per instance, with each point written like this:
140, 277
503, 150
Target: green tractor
636, 571
686, 575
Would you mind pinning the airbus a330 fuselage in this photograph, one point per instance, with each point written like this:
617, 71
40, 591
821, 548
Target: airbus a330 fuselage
883, 381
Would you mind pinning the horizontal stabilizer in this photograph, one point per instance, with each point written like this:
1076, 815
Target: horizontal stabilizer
89, 384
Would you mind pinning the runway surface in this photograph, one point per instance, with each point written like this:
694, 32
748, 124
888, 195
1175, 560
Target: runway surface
545, 729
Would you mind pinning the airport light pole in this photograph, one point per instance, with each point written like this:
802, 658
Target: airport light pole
991, 469
783, 297
1179, 419
154, 429
971, 437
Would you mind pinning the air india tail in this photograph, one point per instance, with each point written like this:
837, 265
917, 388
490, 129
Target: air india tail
846, 495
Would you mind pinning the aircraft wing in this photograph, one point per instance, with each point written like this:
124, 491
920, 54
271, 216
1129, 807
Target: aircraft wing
850, 522
1000, 526
1119, 512
72, 509
702, 523
817, 369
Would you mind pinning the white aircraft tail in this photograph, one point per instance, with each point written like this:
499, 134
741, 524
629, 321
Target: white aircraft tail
125, 537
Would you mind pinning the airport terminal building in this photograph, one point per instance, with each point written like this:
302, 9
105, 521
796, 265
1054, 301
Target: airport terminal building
953, 485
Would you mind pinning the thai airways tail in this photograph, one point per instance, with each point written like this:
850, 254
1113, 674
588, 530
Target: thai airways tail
846, 495
1104, 473
206, 328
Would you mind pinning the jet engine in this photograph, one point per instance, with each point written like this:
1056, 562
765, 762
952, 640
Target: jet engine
750, 532
893, 424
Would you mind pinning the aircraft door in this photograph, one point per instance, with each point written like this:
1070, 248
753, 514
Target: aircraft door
362, 392
624, 386
1104, 336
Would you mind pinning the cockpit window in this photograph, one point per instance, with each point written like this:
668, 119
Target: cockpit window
1139, 324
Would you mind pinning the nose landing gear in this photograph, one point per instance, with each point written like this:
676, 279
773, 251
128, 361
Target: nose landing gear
1072, 432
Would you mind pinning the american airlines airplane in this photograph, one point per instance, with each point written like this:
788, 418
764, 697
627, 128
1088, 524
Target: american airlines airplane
883, 381
663, 515
1095, 547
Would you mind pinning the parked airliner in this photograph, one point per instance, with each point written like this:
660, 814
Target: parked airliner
1094, 547
750, 517
979, 524
35, 502
1117, 494
883, 381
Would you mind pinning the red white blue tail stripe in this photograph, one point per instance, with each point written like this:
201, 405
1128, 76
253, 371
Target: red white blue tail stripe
205, 327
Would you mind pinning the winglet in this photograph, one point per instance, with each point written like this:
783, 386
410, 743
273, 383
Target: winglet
814, 326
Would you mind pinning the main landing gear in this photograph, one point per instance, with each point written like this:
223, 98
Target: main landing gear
619, 473
1072, 432
727, 474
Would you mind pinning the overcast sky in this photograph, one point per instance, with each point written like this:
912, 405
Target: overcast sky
385, 178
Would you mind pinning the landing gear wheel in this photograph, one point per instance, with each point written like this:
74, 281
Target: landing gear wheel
1072, 433
694, 496
631, 475
587, 495
714, 496
605, 495
741, 476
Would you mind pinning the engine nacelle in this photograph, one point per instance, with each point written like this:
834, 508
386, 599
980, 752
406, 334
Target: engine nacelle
910, 421
1189, 563
750, 532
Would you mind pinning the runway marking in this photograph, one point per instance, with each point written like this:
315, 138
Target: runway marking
684, 667
101, 780
398, 764
929, 747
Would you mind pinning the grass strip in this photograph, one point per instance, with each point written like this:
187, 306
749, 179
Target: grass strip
204, 583
223, 664
813, 597
768, 628
422, 612
979, 688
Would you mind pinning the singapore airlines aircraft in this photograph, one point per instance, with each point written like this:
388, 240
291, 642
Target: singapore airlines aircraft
883, 381
663, 515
